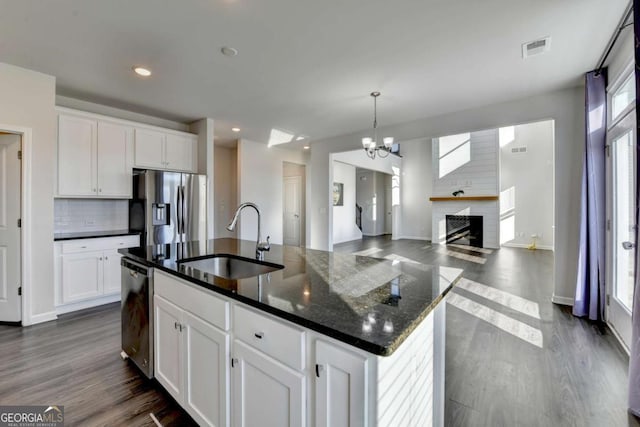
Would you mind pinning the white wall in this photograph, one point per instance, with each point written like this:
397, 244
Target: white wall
417, 187
28, 100
225, 189
565, 106
260, 182
344, 224
530, 176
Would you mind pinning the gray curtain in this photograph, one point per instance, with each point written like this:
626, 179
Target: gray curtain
590, 286
634, 358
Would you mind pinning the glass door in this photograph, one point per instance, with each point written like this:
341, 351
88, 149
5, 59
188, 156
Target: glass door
622, 245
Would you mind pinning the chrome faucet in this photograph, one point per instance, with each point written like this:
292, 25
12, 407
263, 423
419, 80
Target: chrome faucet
261, 246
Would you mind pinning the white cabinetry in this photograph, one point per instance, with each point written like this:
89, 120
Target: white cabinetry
87, 271
94, 158
165, 150
266, 392
192, 354
341, 386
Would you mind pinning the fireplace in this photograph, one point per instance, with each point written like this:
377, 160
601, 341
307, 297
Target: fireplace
464, 230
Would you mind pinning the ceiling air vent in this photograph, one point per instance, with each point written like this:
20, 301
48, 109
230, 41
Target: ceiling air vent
536, 47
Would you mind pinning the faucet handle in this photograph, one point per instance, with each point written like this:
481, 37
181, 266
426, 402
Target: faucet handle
264, 246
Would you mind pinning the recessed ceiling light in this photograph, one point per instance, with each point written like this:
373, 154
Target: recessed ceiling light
235, 129
229, 51
141, 71
306, 147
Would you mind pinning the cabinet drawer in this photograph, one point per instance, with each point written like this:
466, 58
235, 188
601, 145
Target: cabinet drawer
99, 244
200, 302
277, 339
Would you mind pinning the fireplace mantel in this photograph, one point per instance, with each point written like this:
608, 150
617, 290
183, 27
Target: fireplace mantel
463, 198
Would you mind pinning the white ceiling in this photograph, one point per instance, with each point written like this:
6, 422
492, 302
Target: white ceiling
305, 66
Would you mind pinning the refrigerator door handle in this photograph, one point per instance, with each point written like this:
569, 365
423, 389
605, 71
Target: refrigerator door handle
178, 211
184, 209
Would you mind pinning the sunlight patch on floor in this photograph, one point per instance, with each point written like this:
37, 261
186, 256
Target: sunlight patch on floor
368, 252
507, 299
464, 257
395, 257
512, 326
471, 248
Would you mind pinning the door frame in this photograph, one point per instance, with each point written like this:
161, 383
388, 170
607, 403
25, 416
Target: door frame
25, 230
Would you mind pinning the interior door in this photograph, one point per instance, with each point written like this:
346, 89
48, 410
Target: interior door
622, 165
292, 188
10, 245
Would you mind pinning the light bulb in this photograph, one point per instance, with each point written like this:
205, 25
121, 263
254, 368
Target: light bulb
388, 141
366, 142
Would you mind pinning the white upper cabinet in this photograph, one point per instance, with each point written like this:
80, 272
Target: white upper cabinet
180, 152
164, 150
115, 166
77, 164
150, 149
94, 158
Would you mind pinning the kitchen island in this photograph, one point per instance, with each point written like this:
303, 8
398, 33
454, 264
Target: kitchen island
324, 339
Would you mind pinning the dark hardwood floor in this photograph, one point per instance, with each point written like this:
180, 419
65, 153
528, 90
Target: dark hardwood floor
498, 378
513, 357
75, 361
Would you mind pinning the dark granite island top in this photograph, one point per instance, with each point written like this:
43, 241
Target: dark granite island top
373, 304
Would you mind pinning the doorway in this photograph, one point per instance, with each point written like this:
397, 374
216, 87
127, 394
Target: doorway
621, 190
293, 204
10, 227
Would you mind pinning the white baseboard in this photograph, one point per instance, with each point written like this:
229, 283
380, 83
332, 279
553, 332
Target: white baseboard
43, 317
526, 246
619, 338
562, 300
68, 308
374, 235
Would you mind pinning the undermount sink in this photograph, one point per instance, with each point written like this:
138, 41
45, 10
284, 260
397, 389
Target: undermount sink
230, 266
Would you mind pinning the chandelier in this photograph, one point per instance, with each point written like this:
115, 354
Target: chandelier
369, 144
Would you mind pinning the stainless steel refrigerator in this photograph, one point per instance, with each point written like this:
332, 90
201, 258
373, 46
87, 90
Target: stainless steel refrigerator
168, 207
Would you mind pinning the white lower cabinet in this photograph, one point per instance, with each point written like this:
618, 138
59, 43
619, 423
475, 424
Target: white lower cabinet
87, 272
266, 392
341, 387
81, 276
192, 362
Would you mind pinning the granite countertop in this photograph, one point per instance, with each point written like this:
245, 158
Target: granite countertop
93, 234
373, 304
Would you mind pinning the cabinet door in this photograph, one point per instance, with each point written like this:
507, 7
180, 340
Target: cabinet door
180, 152
206, 372
149, 149
77, 156
81, 276
266, 392
115, 160
341, 387
168, 347
112, 272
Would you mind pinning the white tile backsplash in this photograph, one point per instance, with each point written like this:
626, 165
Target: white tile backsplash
79, 215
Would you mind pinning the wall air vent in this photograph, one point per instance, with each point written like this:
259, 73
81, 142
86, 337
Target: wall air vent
536, 47
519, 150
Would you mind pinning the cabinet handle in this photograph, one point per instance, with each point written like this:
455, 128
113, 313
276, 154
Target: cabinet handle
233, 362
83, 247
100, 258
318, 369
175, 325
259, 335
100, 190
106, 258
94, 190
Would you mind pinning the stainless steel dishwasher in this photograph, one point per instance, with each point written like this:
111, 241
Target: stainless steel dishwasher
137, 314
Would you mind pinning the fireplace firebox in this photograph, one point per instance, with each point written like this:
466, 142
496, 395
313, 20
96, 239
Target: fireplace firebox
464, 230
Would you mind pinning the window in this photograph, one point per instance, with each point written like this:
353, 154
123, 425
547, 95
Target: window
624, 96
